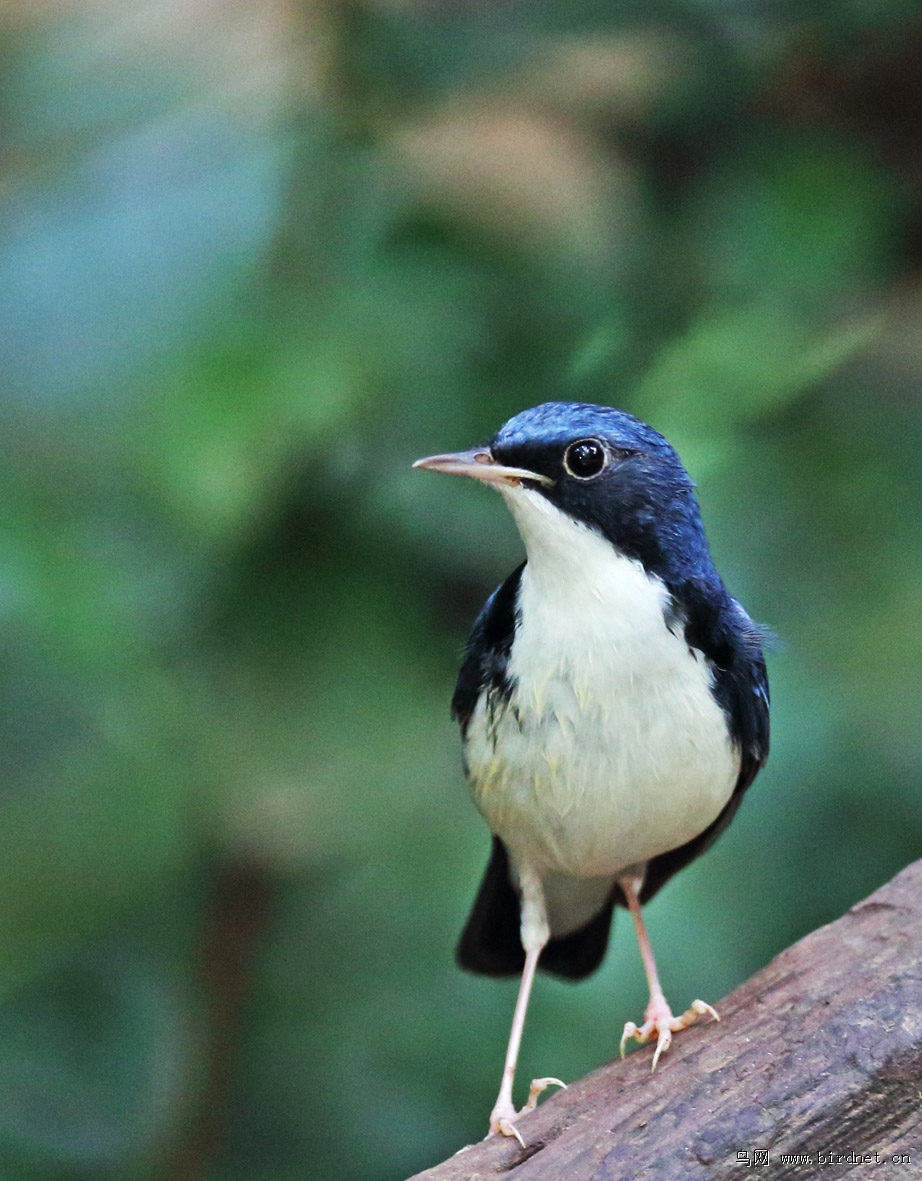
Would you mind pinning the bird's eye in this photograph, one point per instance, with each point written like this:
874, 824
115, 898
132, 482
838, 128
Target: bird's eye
585, 459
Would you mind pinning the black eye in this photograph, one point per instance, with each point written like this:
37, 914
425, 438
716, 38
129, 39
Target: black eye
585, 458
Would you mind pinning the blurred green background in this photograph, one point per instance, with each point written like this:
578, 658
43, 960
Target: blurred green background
254, 260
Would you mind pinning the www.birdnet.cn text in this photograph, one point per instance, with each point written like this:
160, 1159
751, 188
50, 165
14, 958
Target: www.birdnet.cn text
761, 1158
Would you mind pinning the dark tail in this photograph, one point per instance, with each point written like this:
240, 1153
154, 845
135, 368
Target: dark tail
490, 941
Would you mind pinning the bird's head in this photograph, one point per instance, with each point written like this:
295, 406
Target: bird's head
597, 466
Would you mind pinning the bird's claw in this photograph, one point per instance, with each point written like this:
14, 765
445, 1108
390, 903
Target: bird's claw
537, 1086
505, 1127
660, 1023
503, 1116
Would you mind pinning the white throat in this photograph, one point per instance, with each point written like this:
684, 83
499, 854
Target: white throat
572, 569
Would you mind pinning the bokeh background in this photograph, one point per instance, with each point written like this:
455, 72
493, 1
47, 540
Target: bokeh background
255, 258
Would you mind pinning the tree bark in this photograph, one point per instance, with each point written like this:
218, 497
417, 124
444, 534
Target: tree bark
818, 1057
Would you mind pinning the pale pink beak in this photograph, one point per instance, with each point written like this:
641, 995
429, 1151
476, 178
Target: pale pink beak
479, 464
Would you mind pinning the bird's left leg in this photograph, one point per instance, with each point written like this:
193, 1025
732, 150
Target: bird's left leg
658, 1019
534, 933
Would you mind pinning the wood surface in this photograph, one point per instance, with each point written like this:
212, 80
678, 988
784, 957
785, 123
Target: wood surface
818, 1055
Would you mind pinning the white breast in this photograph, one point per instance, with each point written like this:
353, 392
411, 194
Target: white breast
612, 748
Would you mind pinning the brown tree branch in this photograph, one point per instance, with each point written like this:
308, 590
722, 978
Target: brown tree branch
818, 1055
238, 915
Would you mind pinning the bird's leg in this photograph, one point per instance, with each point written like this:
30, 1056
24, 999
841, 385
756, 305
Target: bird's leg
658, 1019
535, 934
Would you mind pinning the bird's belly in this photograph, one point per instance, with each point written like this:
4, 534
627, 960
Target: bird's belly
587, 776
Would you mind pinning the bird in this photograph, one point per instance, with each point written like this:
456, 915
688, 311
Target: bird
613, 703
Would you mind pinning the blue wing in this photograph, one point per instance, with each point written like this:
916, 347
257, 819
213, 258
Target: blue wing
732, 644
486, 656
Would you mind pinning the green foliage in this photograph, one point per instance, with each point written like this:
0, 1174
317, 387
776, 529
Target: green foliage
248, 274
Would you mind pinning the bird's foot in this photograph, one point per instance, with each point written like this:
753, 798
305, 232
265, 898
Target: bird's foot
659, 1023
504, 1114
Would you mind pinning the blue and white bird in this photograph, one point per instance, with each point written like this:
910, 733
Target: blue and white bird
613, 703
